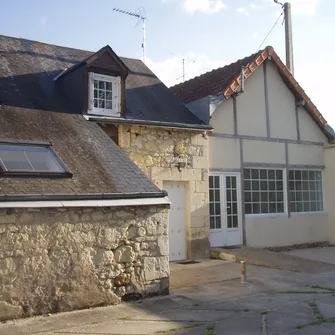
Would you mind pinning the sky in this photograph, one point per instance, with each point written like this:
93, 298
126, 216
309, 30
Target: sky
206, 33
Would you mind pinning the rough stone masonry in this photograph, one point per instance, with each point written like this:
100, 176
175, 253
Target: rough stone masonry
61, 259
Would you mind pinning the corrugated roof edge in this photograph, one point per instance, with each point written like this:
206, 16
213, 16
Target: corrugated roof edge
102, 196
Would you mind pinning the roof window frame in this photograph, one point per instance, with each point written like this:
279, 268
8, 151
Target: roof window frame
4, 172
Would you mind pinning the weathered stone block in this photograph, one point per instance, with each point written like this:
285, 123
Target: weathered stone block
124, 254
155, 268
163, 245
8, 311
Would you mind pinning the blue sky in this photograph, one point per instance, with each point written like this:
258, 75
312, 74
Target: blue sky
207, 33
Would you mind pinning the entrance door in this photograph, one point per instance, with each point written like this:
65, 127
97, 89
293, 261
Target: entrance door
177, 220
225, 209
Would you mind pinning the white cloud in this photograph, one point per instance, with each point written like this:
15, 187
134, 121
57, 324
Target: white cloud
304, 7
204, 6
243, 10
170, 70
255, 35
253, 6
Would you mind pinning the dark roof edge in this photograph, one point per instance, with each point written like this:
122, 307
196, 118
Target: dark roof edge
65, 197
176, 125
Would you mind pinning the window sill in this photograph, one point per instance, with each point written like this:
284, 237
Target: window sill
104, 112
267, 215
308, 213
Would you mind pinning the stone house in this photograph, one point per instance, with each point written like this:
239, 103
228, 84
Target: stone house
269, 179
80, 224
146, 120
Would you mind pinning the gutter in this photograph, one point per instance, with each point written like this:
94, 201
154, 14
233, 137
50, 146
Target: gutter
86, 203
81, 197
171, 125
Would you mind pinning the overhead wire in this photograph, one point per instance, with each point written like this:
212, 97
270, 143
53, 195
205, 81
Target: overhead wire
268, 34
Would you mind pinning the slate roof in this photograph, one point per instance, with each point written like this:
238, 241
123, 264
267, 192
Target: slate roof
32, 110
227, 80
37, 64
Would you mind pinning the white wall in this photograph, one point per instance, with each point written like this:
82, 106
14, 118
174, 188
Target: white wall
305, 154
282, 113
223, 117
224, 153
263, 152
329, 189
251, 116
284, 231
309, 130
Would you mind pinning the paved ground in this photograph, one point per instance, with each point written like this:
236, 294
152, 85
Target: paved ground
273, 302
278, 260
325, 254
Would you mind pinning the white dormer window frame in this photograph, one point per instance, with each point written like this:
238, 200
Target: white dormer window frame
104, 95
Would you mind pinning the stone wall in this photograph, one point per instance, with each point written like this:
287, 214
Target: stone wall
60, 259
157, 151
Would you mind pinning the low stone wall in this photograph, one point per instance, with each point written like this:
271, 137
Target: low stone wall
61, 259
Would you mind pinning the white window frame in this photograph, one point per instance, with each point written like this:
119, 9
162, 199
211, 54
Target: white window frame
116, 101
263, 215
322, 184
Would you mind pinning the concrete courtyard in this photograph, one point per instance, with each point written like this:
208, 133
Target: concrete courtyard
207, 298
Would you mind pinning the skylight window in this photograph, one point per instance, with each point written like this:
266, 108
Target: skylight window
30, 160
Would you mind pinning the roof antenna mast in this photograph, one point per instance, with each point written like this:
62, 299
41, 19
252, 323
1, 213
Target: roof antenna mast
141, 16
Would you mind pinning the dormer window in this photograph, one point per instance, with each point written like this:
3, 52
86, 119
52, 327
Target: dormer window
104, 95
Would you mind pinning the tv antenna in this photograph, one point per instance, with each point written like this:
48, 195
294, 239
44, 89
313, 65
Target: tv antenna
184, 60
141, 16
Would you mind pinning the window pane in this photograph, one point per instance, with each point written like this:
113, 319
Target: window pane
211, 178
211, 196
271, 174
254, 174
217, 195
311, 175
247, 185
228, 182
263, 174
95, 84
233, 179
217, 181
15, 160
247, 173
102, 85
217, 209
279, 185
279, 174
95, 103
29, 158
248, 209
235, 221
109, 95
256, 208
43, 161
211, 223
272, 207
247, 196
264, 185
109, 86
264, 196
95, 94
234, 195
264, 208
255, 185
255, 197
280, 207
305, 175
102, 95
101, 103
297, 175
229, 221
211, 209
109, 104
